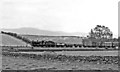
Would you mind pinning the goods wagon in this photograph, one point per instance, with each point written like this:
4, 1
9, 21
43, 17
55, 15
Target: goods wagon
108, 44
100, 43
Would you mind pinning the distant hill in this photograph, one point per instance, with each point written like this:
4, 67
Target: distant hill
34, 31
10, 41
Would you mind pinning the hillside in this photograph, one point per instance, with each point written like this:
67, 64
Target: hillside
34, 31
7, 40
57, 39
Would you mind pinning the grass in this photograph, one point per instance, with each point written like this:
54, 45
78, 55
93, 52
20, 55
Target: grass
78, 53
24, 63
11, 63
10, 41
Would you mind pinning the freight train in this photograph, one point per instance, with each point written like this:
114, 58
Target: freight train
85, 43
69, 41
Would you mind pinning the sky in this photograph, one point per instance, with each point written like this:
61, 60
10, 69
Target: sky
59, 15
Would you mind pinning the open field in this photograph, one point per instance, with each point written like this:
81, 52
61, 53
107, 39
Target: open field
79, 53
64, 49
10, 41
24, 63
19, 63
89, 53
11, 59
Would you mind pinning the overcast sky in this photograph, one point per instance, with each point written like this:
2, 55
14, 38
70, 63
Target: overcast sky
59, 15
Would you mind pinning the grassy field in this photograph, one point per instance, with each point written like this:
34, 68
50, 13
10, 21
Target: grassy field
89, 53
52, 60
62, 51
12, 63
79, 53
24, 63
40, 49
10, 41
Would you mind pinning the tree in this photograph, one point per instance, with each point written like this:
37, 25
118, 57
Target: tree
119, 39
100, 32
